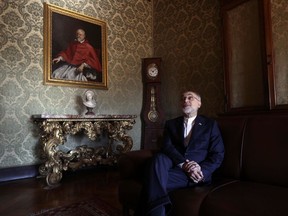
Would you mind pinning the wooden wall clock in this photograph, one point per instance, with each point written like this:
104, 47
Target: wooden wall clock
152, 113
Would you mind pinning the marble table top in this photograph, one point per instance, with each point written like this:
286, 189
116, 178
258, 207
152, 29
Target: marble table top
81, 117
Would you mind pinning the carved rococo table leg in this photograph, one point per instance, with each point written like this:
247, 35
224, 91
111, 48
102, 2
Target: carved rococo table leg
52, 137
117, 131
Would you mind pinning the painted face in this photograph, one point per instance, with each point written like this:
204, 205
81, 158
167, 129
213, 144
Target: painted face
80, 35
190, 103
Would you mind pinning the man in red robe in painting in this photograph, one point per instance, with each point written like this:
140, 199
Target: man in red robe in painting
79, 61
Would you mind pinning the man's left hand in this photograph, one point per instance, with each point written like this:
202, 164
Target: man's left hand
193, 170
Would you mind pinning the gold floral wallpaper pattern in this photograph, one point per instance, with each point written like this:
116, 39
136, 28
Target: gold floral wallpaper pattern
22, 93
187, 35
280, 34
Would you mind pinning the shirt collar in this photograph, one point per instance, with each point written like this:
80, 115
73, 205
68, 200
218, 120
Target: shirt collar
189, 120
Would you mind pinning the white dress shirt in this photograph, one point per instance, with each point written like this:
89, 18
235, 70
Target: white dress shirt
188, 124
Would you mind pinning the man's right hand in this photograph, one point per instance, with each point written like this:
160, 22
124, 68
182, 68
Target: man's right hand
193, 170
56, 60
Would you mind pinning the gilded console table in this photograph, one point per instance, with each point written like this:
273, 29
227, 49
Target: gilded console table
56, 128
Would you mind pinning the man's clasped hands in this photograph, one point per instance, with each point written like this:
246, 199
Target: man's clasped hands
193, 170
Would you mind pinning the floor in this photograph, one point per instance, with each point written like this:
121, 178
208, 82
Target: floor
27, 196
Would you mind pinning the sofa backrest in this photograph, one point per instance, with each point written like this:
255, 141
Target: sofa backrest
265, 150
232, 129
256, 148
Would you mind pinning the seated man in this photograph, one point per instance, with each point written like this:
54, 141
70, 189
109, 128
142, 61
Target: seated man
192, 150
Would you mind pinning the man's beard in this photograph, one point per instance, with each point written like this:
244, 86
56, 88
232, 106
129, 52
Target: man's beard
188, 110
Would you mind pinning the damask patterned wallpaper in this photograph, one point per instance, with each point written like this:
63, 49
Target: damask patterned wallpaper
186, 35
280, 34
22, 93
188, 38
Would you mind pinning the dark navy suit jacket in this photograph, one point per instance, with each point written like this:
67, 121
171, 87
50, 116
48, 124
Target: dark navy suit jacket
205, 146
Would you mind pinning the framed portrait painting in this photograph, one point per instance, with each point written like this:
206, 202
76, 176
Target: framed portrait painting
75, 49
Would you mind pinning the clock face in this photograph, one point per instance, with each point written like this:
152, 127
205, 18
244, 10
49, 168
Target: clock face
153, 116
152, 70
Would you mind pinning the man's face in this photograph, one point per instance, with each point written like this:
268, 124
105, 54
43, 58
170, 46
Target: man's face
190, 103
80, 35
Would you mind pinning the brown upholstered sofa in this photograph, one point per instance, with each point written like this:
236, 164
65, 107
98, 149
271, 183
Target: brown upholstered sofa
253, 179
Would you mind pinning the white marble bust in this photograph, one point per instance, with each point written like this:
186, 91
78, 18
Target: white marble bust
89, 100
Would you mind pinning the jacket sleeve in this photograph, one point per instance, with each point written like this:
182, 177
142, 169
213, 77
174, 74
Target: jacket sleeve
215, 152
170, 146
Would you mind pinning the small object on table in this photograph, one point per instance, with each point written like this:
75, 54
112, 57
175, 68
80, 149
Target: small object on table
89, 102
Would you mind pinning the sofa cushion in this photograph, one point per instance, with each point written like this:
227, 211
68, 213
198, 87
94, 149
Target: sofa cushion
265, 149
188, 200
245, 198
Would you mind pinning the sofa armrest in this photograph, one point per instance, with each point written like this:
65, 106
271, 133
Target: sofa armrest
132, 164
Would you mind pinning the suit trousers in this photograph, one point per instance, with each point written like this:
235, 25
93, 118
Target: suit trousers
162, 177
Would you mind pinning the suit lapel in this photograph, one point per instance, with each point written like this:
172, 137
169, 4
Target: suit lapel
180, 128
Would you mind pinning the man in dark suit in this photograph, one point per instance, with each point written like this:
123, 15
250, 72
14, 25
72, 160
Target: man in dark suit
192, 150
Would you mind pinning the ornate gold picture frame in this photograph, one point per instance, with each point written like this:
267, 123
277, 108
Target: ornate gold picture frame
75, 49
